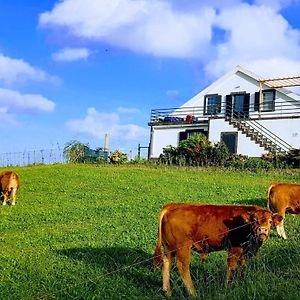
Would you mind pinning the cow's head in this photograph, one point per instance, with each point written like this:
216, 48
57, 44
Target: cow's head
262, 221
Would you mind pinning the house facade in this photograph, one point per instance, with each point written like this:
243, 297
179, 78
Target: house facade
250, 116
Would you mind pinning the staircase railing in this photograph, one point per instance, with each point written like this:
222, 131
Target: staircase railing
248, 117
260, 133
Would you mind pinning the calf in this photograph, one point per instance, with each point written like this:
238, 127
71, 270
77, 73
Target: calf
9, 184
282, 198
240, 230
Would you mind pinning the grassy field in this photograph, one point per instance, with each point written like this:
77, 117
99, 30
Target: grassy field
89, 232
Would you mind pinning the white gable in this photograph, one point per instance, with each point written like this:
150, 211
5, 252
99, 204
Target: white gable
237, 80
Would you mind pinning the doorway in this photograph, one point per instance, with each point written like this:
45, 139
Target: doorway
230, 140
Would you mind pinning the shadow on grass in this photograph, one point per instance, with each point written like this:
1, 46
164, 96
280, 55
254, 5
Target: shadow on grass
259, 201
285, 258
134, 265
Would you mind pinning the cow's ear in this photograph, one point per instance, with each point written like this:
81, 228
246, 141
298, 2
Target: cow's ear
246, 216
276, 218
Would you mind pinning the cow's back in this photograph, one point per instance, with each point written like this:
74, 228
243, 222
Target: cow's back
9, 179
211, 225
284, 197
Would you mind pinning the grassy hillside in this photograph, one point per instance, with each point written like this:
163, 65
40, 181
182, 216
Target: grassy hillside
89, 232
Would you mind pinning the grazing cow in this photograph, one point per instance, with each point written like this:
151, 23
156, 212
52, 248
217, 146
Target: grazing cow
282, 198
9, 184
239, 229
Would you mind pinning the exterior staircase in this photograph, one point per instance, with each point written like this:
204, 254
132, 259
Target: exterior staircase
259, 134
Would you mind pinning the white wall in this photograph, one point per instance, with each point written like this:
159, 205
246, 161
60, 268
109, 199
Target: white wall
287, 129
244, 145
163, 136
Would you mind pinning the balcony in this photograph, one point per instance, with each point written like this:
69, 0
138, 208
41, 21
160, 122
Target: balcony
200, 114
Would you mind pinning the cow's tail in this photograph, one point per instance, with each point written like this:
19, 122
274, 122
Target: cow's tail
13, 179
269, 196
157, 259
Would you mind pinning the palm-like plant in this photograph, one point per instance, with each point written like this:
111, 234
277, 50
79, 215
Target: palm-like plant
75, 151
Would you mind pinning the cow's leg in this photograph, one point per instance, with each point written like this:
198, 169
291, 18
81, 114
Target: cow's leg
203, 256
281, 231
242, 264
234, 257
183, 265
13, 196
167, 262
280, 226
5, 198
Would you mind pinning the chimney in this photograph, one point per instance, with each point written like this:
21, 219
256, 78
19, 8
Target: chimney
106, 142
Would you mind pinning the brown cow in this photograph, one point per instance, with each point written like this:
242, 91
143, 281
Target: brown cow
240, 230
282, 198
9, 184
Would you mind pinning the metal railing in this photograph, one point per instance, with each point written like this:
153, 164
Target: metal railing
280, 109
34, 157
251, 127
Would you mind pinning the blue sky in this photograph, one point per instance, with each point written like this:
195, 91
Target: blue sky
76, 69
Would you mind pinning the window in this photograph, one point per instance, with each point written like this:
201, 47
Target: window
230, 139
237, 105
212, 104
190, 132
268, 101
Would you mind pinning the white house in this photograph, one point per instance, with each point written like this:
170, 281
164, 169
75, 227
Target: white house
250, 115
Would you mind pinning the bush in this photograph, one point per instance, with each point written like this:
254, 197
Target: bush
197, 150
75, 151
256, 163
118, 157
292, 159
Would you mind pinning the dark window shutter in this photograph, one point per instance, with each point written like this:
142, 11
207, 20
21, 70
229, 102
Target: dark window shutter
256, 101
183, 136
274, 97
219, 103
205, 104
246, 103
228, 105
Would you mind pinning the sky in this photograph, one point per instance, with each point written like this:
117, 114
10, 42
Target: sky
78, 69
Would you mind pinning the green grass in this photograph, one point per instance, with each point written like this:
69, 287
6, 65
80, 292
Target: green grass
89, 232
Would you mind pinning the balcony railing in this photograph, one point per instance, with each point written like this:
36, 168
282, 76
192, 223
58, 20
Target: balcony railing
198, 114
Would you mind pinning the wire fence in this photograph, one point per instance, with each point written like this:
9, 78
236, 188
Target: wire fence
33, 157
50, 156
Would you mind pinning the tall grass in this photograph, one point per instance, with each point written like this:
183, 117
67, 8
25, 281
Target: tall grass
89, 232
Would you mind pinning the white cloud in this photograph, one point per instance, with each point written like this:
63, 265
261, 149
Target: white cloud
128, 110
152, 27
258, 38
17, 70
96, 124
255, 35
12, 102
172, 93
276, 4
7, 119
71, 54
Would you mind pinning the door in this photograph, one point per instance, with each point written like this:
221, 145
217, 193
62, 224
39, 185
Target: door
237, 105
230, 140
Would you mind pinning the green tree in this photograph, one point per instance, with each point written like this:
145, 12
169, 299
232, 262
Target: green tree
75, 151
118, 157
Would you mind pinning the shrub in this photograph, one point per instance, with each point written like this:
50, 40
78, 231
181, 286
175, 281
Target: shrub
256, 163
220, 154
75, 151
292, 159
197, 150
118, 157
